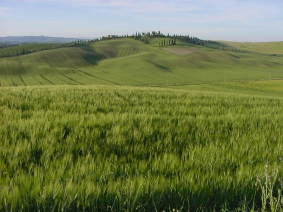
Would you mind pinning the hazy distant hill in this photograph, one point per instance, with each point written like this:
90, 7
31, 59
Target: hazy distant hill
35, 39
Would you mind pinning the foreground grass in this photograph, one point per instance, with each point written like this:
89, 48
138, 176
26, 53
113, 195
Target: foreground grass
121, 148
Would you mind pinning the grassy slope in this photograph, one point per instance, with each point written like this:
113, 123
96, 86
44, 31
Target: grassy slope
131, 62
154, 66
272, 88
259, 47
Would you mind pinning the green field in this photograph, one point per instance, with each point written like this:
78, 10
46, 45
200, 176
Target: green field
269, 48
271, 88
118, 148
120, 125
130, 62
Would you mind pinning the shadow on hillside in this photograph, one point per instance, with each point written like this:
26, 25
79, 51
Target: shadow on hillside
90, 55
160, 67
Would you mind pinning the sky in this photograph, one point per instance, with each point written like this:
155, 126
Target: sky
230, 20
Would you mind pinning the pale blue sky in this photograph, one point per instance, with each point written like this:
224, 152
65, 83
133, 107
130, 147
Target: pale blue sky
235, 20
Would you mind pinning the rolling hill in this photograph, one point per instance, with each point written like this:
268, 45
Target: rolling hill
127, 61
272, 48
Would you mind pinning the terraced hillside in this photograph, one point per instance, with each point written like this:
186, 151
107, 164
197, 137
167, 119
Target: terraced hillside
131, 62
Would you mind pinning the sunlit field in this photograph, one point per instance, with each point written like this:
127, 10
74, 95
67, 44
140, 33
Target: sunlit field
115, 148
130, 62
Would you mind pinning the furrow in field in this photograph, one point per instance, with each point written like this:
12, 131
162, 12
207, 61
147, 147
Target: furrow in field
62, 79
47, 79
99, 78
30, 80
72, 79
21, 78
39, 80
12, 83
17, 81
86, 79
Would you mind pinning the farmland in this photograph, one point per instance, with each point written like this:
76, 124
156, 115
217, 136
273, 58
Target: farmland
127, 61
118, 125
144, 149
269, 88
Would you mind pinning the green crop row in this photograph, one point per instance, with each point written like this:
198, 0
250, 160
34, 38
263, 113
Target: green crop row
103, 148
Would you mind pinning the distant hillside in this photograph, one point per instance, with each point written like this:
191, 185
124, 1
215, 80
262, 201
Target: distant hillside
131, 62
35, 39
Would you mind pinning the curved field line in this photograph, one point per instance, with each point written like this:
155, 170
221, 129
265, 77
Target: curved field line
37, 80
86, 79
99, 78
62, 79
72, 79
21, 78
47, 79
13, 83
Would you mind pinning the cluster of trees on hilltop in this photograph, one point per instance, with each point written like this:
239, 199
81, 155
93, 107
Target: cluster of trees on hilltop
144, 37
171, 39
165, 40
